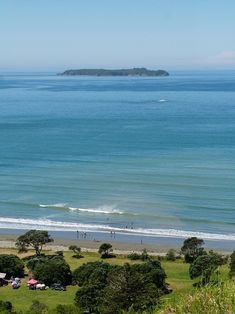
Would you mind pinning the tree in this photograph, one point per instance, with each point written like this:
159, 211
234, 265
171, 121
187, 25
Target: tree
154, 272
88, 298
204, 266
92, 273
76, 250
128, 288
192, 248
105, 288
232, 265
11, 265
35, 239
52, 270
105, 250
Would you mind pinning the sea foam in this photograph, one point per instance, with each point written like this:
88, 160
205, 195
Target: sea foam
100, 210
50, 225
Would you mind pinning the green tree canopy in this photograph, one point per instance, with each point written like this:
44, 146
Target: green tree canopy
92, 273
52, 270
128, 288
192, 248
205, 266
105, 288
35, 239
232, 265
11, 265
105, 250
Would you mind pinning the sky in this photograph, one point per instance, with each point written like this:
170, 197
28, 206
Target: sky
167, 34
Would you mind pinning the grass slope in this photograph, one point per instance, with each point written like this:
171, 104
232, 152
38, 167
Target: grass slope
177, 277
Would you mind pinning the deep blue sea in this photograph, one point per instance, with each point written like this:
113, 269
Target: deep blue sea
146, 156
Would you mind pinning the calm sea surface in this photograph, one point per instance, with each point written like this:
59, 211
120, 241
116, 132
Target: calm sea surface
148, 156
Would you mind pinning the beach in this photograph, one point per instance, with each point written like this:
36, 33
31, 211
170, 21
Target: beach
159, 246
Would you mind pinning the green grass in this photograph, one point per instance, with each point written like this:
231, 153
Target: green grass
23, 297
177, 277
218, 299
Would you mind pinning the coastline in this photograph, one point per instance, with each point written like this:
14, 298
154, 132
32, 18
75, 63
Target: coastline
121, 244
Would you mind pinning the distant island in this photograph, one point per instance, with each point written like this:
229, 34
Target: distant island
120, 72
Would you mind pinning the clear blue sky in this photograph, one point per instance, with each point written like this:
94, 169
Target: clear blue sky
169, 34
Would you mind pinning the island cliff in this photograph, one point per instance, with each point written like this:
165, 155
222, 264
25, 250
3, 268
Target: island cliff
120, 72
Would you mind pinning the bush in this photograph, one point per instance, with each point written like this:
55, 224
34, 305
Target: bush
67, 309
142, 257
52, 270
170, 256
11, 265
6, 307
232, 265
134, 256
76, 250
37, 308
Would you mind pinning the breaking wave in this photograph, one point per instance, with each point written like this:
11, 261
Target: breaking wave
50, 225
100, 210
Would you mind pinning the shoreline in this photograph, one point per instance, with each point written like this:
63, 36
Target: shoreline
62, 240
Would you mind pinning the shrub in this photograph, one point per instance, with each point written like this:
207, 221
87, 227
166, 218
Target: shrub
76, 250
144, 255
170, 256
37, 308
11, 265
232, 265
67, 309
6, 307
134, 256
60, 253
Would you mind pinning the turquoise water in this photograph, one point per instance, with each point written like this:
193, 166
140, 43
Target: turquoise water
148, 156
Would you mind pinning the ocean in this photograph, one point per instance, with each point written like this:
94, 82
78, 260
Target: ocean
136, 155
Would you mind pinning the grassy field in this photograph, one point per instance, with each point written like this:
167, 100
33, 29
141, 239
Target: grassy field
177, 277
